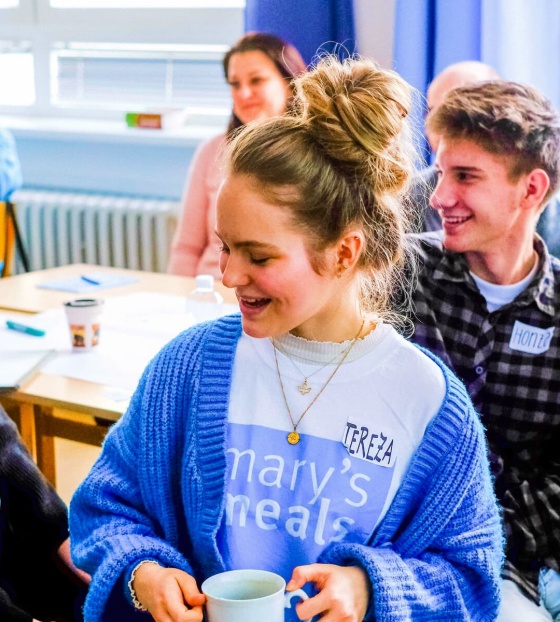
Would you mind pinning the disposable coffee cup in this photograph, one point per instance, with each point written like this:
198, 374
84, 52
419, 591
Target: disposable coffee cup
247, 596
84, 322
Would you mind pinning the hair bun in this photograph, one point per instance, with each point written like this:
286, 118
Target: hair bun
356, 111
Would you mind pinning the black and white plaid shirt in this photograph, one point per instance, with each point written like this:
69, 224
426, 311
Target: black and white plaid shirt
510, 362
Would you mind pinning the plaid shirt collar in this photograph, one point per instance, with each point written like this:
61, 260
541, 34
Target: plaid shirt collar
454, 267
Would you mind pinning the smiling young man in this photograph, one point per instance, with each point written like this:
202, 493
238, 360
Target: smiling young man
451, 77
488, 302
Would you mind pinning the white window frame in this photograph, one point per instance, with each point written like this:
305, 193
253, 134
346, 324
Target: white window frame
36, 21
16, 16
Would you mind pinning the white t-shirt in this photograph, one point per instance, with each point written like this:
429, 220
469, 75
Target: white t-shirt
497, 296
285, 503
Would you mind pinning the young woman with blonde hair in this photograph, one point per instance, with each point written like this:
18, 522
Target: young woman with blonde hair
306, 436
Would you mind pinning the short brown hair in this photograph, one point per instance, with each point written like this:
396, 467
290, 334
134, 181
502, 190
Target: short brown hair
284, 55
506, 119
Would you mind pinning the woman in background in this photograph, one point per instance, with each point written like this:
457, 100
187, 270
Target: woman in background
306, 437
259, 69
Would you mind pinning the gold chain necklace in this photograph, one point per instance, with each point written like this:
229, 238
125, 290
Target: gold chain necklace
294, 437
304, 387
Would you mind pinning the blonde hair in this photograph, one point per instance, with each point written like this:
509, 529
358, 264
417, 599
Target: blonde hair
343, 158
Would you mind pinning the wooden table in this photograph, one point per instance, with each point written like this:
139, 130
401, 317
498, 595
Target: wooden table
20, 293
50, 406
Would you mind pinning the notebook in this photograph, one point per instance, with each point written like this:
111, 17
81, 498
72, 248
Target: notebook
17, 366
89, 283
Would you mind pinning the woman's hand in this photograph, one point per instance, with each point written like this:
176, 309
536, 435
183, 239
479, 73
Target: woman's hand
169, 594
344, 592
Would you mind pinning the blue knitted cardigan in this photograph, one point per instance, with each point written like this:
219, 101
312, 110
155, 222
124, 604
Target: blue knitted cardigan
157, 492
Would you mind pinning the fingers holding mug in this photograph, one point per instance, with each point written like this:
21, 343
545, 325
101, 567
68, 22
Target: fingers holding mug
169, 594
343, 592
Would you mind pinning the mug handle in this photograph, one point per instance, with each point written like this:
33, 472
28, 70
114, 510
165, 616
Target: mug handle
288, 598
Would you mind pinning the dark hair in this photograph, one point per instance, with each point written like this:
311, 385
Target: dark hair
506, 119
344, 157
284, 55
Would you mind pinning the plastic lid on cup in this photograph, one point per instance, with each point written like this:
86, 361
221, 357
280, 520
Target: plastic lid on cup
84, 302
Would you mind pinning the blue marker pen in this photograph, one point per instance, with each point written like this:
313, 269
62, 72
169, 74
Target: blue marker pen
22, 328
89, 280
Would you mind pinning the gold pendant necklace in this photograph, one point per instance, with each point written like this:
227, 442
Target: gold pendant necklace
304, 387
294, 436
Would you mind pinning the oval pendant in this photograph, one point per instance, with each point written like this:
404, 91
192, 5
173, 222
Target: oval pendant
293, 438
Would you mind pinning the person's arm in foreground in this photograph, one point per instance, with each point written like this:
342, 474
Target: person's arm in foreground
34, 509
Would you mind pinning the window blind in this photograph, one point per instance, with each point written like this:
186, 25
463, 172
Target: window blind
131, 79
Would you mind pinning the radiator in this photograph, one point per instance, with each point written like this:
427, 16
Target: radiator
61, 228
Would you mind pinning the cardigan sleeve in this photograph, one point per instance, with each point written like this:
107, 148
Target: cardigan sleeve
444, 559
112, 525
191, 236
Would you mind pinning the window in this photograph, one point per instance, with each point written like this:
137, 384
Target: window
16, 74
109, 76
102, 57
141, 4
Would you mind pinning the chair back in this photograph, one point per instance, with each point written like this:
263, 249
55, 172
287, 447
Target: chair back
7, 240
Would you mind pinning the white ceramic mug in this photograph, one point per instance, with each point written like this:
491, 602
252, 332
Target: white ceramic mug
247, 596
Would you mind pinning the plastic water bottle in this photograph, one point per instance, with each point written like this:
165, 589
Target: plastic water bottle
204, 302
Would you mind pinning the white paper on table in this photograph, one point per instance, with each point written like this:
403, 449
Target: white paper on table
16, 366
160, 316
118, 360
53, 322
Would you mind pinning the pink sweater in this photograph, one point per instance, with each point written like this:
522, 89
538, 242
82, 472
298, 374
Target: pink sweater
196, 248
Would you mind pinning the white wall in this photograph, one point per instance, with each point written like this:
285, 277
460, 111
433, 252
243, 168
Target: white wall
375, 24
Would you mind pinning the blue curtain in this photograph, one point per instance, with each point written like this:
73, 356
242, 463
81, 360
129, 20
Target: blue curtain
313, 26
431, 34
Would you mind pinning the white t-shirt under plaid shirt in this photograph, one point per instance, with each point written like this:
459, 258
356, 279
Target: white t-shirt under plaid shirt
510, 362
